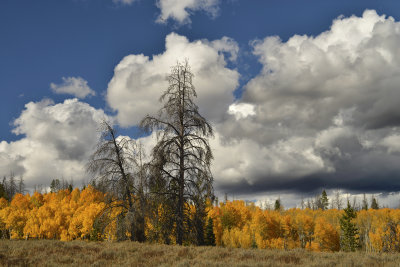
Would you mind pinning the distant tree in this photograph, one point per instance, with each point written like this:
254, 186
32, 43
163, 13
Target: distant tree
64, 184
38, 188
182, 155
374, 203
349, 231
309, 204
338, 204
12, 186
70, 185
355, 204
302, 203
3, 193
317, 203
210, 236
21, 185
278, 205
364, 203
55, 186
324, 200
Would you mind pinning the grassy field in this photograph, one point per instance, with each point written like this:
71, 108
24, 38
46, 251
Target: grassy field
80, 253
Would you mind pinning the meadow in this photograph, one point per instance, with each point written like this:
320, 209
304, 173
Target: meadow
82, 253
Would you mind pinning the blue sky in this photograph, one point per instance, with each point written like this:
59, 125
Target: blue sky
43, 41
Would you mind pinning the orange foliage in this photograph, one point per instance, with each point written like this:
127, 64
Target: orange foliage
238, 225
70, 215
63, 215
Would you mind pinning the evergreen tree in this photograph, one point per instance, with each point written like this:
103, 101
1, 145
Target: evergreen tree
278, 205
210, 237
374, 203
12, 187
3, 193
324, 200
349, 231
365, 203
55, 186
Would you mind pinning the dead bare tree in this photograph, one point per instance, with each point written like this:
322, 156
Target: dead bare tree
118, 168
182, 155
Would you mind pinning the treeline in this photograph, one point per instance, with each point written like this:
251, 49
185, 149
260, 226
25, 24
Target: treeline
80, 214
237, 224
322, 202
11, 185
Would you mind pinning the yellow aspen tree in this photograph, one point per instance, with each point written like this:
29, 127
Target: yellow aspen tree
326, 236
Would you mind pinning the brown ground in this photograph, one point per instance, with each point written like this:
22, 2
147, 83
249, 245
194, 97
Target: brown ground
80, 253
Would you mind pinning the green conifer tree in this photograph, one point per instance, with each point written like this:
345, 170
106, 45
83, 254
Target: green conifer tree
278, 205
324, 200
3, 193
349, 231
374, 204
210, 237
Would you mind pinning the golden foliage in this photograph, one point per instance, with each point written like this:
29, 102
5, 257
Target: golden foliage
63, 215
71, 215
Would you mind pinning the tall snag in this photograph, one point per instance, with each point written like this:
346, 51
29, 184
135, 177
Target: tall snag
182, 155
117, 166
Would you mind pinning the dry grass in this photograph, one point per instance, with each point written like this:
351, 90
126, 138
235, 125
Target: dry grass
80, 253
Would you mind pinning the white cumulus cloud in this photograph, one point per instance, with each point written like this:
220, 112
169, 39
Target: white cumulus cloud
57, 140
139, 81
241, 110
180, 10
75, 86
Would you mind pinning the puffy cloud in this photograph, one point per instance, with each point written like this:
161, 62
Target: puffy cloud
241, 110
75, 86
392, 143
353, 65
322, 112
139, 81
257, 168
57, 141
180, 10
